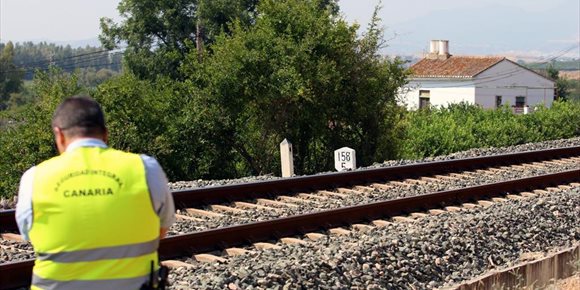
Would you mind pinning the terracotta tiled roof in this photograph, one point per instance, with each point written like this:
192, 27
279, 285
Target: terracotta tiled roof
453, 67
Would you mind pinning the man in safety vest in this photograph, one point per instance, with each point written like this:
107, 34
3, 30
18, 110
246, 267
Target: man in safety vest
93, 214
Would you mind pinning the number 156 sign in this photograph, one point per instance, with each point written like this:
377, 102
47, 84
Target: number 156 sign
344, 159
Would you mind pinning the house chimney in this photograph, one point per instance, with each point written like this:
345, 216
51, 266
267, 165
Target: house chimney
433, 49
443, 49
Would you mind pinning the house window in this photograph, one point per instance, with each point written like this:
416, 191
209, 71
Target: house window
520, 101
498, 101
424, 97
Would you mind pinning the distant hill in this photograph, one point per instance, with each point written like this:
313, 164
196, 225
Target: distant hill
562, 65
570, 75
527, 35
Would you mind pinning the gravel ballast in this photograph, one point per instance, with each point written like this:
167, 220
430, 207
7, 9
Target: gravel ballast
13, 251
431, 252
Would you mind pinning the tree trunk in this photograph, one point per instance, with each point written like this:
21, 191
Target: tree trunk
199, 39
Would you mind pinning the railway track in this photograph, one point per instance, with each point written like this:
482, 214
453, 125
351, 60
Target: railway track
290, 191
200, 197
219, 215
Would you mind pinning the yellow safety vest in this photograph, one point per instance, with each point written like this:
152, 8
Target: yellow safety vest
94, 225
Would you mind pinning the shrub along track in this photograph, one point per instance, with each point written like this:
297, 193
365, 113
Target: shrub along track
206, 241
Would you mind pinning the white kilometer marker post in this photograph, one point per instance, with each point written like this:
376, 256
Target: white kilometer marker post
344, 159
286, 159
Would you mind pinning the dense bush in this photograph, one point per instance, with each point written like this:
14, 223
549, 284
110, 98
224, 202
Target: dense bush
459, 127
26, 138
166, 120
300, 72
159, 118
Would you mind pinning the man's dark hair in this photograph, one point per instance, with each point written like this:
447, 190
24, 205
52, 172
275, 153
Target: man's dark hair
79, 116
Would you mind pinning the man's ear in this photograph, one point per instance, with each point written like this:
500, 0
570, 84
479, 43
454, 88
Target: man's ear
106, 136
59, 139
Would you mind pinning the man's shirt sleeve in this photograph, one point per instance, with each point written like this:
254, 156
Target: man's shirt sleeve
24, 205
160, 194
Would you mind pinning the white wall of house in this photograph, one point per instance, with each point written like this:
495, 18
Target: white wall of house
509, 80
442, 93
505, 79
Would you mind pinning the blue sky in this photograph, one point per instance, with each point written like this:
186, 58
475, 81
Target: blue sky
518, 27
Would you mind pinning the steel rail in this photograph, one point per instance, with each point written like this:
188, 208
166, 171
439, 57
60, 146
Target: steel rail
8, 221
18, 274
244, 191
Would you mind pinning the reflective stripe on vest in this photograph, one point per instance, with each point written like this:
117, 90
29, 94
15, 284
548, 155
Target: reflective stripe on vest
128, 283
93, 220
116, 252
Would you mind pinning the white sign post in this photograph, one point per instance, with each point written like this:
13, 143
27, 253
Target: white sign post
344, 159
286, 159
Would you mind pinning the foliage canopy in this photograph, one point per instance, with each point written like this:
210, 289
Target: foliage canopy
10, 75
299, 73
158, 34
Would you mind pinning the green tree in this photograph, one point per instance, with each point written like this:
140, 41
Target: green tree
562, 85
40, 56
163, 119
28, 139
160, 33
302, 73
10, 75
91, 77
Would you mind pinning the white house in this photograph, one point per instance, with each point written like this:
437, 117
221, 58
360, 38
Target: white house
441, 79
